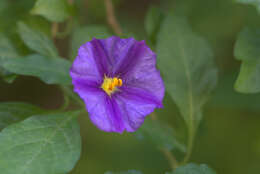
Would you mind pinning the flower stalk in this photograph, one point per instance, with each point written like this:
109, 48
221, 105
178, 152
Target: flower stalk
111, 18
170, 157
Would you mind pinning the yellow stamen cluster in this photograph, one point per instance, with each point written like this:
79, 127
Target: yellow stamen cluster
110, 85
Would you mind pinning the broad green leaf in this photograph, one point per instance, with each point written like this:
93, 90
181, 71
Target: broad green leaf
84, 34
152, 21
193, 169
256, 3
7, 76
37, 41
126, 172
51, 71
11, 11
42, 144
186, 62
13, 112
6, 51
6, 48
160, 134
247, 49
53, 10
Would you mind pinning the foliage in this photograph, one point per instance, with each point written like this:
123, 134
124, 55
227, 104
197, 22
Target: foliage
47, 142
186, 62
197, 44
247, 51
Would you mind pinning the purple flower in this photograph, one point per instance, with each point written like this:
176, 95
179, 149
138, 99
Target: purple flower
118, 81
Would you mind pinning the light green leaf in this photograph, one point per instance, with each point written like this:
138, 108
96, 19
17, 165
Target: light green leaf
256, 3
16, 111
160, 134
42, 144
127, 172
51, 71
53, 10
247, 50
153, 20
6, 51
193, 169
37, 41
186, 62
82, 35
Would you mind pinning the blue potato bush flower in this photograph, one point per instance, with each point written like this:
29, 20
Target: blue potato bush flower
118, 81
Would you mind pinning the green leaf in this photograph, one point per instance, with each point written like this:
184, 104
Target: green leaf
7, 76
7, 50
13, 10
256, 3
247, 50
37, 41
84, 34
193, 169
6, 47
16, 111
186, 62
51, 71
153, 20
53, 10
127, 172
160, 134
42, 144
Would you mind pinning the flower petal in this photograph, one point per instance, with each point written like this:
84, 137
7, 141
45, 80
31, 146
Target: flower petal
103, 110
105, 114
128, 61
144, 75
91, 61
135, 104
117, 49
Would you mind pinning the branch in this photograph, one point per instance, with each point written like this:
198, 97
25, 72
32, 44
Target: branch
111, 19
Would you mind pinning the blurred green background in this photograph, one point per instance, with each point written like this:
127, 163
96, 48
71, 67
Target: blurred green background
228, 140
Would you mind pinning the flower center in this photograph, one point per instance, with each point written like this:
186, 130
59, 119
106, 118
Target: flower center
110, 85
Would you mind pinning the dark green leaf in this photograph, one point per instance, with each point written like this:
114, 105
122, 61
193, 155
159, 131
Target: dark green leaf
6, 51
127, 172
193, 169
53, 10
247, 50
152, 21
11, 11
6, 48
49, 70
82, 35
160, 134
42, 144
187, 64
7, 76
37, 41
15, 111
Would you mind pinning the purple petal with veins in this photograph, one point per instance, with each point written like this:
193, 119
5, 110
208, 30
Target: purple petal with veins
96, 74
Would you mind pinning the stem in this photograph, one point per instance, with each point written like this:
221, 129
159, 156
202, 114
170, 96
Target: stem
172, 160
111, 18
54, 30
191, 134
170, 157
